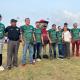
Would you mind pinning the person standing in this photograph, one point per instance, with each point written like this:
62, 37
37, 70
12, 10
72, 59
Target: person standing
2, 33
13, 33
28, 39
59, 41
38, 43
66, 37
52, 36
75, 39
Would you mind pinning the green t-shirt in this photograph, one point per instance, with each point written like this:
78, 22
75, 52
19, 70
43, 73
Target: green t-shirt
2, 30
27, 32
53, 35
59, 37
75, 34
37, 33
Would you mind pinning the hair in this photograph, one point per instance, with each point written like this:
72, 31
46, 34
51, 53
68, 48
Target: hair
59, 26
66, 24
27, 19
75, 23
54, 25
37, 22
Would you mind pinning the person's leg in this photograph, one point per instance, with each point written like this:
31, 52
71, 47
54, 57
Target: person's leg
15, 55
34, 55
38, 50
73, 47
68, 49
44, 49
54, 49
1, 48
64, 49
77, 48
50, 50
31, 53
9, 54
25, 47
60, 50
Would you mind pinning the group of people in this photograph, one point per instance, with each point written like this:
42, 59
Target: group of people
35, 39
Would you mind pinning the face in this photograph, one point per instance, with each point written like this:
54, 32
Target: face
59, 28
13, 24
27, 21
37, 24
75, 25
54, 27
65, 28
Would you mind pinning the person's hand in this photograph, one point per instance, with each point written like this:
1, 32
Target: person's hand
42, 43
34, 40
20, 40
22, 43
72, 40
50, 42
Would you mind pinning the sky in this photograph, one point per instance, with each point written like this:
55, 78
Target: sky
55, 11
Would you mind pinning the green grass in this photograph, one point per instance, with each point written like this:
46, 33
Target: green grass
44, 70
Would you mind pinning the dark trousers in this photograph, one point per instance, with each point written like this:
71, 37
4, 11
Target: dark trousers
60, 51
12, 54
52, 50
66, 49
37, 51
75, 43
0, 59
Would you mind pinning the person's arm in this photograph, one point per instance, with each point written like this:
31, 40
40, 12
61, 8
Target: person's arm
21, 36
79, 32
6, 31
49, 38
42, 39
62, 36
34, 35
70, 36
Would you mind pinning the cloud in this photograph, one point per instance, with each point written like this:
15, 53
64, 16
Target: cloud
74, 17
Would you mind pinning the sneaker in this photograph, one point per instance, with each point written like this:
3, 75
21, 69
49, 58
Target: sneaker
1, 68
34, 61
23, 65
9, 67
38, 60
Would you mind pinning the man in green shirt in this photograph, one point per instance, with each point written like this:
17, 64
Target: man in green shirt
2, 32
59, 40
27, 36
75, 39
52, 36
37, 45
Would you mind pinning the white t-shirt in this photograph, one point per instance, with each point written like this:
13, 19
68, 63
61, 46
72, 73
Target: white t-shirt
66, 35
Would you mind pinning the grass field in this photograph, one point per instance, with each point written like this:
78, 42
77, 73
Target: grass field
44, 70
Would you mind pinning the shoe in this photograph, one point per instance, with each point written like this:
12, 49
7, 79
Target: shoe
38, 60
9, 67
34, 61
23, 65
1, 68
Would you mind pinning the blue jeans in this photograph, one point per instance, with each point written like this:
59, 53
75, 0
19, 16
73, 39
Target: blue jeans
60, 50
37, 51
52, 50
66, 49
25, 48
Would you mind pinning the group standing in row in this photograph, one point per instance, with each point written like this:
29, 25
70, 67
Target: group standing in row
35, 39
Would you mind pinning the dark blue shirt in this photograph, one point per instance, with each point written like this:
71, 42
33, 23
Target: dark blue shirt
13, 33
